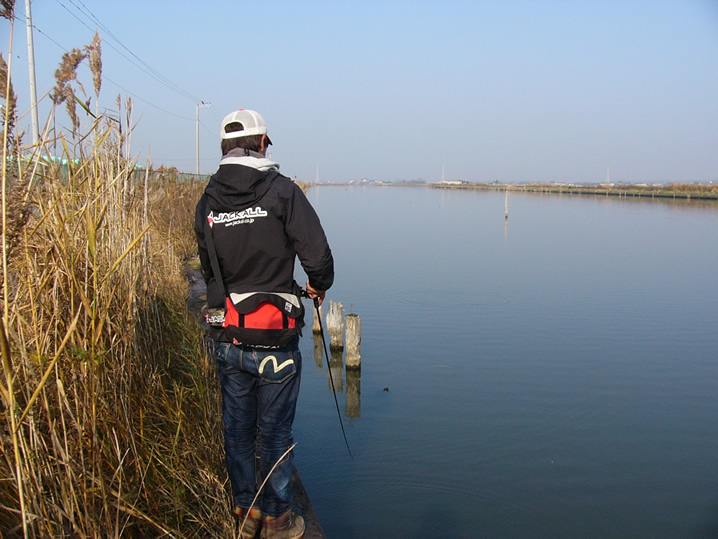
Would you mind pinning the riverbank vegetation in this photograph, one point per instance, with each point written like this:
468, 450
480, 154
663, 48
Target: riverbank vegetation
109, 414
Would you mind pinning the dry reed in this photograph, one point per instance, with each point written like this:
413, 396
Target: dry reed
109, 421
7, 8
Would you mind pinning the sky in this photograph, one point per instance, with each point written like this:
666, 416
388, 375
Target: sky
569, 91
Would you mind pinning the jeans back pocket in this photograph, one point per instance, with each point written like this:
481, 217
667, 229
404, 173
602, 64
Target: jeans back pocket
275, 366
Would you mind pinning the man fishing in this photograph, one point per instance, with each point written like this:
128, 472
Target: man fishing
251, 224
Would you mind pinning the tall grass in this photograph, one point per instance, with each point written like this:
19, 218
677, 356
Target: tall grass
109, 414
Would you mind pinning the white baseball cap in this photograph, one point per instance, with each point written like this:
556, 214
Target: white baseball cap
251, 121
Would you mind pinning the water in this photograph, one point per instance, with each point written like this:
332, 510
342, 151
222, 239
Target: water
555, 375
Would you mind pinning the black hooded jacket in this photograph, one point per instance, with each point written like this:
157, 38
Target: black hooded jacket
260, 221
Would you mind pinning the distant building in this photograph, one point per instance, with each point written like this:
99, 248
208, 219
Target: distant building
452, 182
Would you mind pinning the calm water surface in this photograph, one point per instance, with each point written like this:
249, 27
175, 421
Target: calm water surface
555, 375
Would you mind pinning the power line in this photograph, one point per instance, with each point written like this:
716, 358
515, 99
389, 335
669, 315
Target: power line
161, 78
146, 69
23, 20
209, 130
213, 112
142, 66
147, 102
105, 77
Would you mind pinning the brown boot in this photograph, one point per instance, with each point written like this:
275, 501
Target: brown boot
249, 524
286, 526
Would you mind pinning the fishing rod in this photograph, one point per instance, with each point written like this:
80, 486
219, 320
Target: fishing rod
331, 378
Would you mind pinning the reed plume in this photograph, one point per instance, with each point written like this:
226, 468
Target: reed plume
16, 208
63, 91
9, 109
94, 53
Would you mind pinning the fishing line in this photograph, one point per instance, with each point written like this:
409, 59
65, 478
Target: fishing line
331, 378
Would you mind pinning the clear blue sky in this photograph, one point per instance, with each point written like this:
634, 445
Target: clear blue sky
514, 90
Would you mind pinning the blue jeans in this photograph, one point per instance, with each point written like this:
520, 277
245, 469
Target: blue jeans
259, 398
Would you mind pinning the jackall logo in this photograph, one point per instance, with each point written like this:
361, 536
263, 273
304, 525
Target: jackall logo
236, 217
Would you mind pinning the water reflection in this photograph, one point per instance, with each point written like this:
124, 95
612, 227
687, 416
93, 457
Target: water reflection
335, 379
557, 379
336, 367
353, 408
318, 351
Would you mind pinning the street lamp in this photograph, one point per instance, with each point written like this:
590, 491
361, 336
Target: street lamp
202, 104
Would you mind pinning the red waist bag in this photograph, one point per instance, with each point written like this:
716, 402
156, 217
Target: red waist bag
264, 319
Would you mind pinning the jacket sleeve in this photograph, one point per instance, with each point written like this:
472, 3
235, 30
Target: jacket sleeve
305, 231
215, 294
199, 220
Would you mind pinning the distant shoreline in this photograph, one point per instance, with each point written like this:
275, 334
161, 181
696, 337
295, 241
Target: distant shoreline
670, 191
673, 191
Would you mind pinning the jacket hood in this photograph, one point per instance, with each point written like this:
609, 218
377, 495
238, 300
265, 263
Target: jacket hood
240, 180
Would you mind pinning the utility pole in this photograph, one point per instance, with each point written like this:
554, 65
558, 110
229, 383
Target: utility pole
203, 104
31, 70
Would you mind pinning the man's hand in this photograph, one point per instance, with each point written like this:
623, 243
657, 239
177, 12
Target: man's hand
313, 293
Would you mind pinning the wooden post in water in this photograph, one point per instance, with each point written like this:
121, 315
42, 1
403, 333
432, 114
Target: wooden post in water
353, 340
335, 325
316, 326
